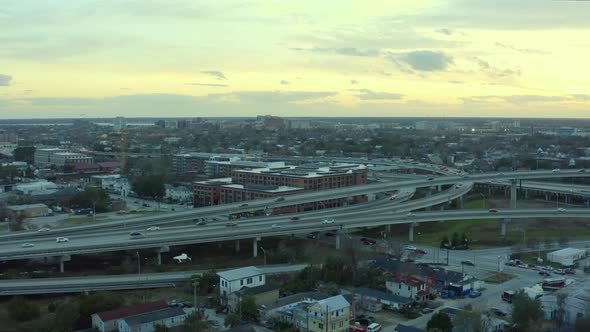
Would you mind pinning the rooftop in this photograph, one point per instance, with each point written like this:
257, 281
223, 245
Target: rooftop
27, 206
332, 303
307, 171
374, 293
130, 311
265, 188
243, 272
155, 315
258, 289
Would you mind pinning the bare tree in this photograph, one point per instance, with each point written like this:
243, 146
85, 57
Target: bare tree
560, 311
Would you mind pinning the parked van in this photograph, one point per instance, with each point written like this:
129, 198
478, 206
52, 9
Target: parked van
374, 327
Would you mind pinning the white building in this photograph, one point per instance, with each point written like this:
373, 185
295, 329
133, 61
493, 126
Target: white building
43, 156
566, 256
67, 158
407, 286
576, 303
234, 280
146, 322
29, 188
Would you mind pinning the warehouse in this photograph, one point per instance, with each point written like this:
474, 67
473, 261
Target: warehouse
567, 256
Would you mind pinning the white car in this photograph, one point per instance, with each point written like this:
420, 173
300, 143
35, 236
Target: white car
62, 239
275, 226
43, 230
555, 170
392, 197
410, 214
153, 228
410, 248
27, 245
328, 221
561, 210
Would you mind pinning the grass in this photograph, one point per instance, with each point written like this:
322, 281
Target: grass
498, 278
82, 220
3, 227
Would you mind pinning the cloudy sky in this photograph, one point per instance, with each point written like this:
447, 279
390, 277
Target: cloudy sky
89, 58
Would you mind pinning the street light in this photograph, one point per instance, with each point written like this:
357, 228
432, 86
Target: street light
264, 253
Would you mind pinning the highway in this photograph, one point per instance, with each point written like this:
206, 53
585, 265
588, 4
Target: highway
344, 192
115, 282
553, 187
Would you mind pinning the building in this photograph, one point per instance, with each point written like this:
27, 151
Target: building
331, 314
194, 162
147, 322
43, 156
407, 286
29, 210
374, 300
234, 280
108, 320
264, 294
291, 309
119, 123
576, 303
567, 256
224, 168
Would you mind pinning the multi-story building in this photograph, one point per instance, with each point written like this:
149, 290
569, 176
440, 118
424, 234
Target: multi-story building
43, 156
194, 162
59, 157
407, 286
224, 168
331, 314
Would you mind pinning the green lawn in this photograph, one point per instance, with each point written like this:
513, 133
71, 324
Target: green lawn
3, 227
498, 278
81, 220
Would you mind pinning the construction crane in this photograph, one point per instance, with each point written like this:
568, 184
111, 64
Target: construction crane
122, 137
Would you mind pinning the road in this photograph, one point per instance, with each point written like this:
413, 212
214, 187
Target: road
114, 282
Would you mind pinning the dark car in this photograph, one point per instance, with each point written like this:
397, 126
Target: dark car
330, 233
499, 312
474, 294
244, 205
293, 218
230, 224
570, 271
470, 263
312, 236
544, 273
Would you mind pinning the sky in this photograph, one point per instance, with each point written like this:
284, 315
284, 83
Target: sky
189, 58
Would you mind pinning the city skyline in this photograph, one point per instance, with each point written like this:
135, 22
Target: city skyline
184, 58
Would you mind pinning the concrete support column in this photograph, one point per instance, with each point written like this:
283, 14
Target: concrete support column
428, 194
255, 247
546, 196
337, 240
526, 194
159, 258
237, 246
461, 202
503, 230
587, 203
160, 251
513, 194
412, 232
439, 188
388, 227
62, 260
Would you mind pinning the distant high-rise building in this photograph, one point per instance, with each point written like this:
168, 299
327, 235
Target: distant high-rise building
119, 123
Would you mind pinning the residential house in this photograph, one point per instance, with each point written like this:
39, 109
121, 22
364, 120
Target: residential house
407, 286
374, 300
263, 294
463, 322
234, 280
331, 314
147, 322
291, 309
108, 320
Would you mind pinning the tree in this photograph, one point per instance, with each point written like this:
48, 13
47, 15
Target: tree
231, 320
248, 308
560, 311
194, 323
96, 302
151, 186
525, 311
455, 241
25, 153
92, 197
22, 310
445, 242
66, 316
161, 328
440, 321
206, 282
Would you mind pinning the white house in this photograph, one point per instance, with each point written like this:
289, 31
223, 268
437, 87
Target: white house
107, 321
407, 286
234, 280
146, 322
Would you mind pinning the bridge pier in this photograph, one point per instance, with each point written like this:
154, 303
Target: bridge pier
237, 246
337, 240
428, 194
411, 232
513, 194
160, 251
62, 260
255, 247
388, 227
460, 202
503, 230
439, 188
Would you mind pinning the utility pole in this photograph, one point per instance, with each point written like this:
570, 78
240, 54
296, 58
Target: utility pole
447, 257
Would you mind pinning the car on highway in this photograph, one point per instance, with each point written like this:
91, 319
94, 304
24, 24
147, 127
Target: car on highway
421, 251
430, 179
231, 224
27, 245
145, 205
464, 176
458, 185
312, 236
275, 226
280, 199
62, 239
367, 241
582, 171
244, 205
470, 263
561, 210
412, 248
328, 221
474, 294
293, 218
492, 210
392, 197
202, 223
153, 228
136, 235
43, 230
555, 170
410, 214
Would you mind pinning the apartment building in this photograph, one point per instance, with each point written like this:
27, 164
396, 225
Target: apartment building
45, 157
329, 315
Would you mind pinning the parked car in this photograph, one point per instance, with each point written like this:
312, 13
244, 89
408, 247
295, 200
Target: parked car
426, 310
412, 248
421, 251
498, 312
312, 236
330, 233
470, 263
570, 271
392, 197
368, 241
544, 273
474, 294
559, 271
555, 170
